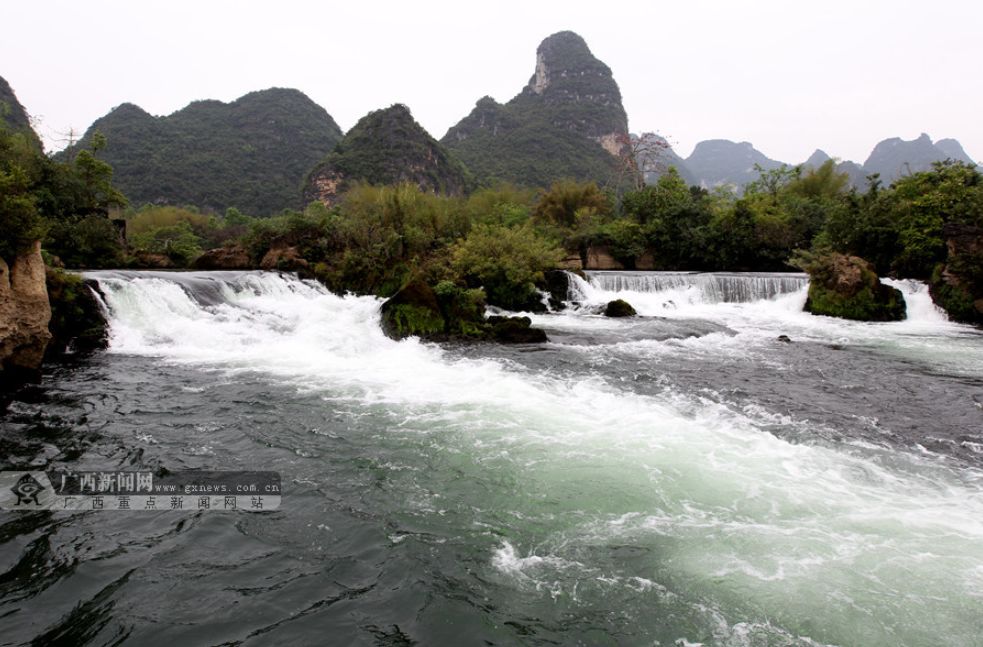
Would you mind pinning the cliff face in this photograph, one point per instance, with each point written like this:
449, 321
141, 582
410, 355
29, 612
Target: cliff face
387, 147
568, 122
24, 313
577, 92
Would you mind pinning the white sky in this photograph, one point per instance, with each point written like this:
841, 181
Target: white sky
787, 76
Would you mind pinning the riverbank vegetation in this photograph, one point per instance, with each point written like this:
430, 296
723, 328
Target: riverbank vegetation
502, 240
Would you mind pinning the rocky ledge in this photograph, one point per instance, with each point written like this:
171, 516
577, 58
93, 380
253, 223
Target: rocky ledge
24, 315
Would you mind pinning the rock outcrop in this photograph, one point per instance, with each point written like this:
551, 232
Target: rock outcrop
848, 287
77, 324
557, 285
451, 313
568, 122
232, 257
619, 308
387, 147
24, 315
957, 286
599, 257
285, 259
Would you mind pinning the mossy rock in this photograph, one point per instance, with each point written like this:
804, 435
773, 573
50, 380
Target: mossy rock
449, 312
619, 308
953, 297
412, 311
77, 322
847, 287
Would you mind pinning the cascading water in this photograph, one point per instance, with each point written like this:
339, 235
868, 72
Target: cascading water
624, 491
705, 287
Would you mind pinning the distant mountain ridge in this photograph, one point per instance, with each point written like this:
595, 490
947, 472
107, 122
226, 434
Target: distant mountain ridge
252, 153
568, 121
258, 153
720, 162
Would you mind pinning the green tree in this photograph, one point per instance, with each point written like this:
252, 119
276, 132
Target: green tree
178, 242
506, 261
558, 207
21, 169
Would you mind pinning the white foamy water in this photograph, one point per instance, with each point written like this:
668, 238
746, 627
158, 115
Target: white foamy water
823, 543
769, 306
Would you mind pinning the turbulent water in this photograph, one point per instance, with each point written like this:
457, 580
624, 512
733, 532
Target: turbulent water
678, 478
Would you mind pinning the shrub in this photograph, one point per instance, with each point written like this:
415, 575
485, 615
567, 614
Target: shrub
506, 262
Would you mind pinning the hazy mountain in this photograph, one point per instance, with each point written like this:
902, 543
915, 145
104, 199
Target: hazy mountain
817, 159
253, 153
387, 147
567, 122
895, 157
953, 150
856, 173
722, 162
718, 162
12, 113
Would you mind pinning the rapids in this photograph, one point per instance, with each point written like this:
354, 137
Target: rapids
677, 478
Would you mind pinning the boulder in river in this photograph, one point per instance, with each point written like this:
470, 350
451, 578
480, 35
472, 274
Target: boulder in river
78, 324
557, 286
848, 287
515, 330
619, 308
412, 311
449, 312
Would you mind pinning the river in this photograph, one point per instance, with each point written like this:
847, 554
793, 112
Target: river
679, 478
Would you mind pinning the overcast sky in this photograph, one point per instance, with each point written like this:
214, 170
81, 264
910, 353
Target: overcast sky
787, 76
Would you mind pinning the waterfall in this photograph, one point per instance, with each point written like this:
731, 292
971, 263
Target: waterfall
705, 287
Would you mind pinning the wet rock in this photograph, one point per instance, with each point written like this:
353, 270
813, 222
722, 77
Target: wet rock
619, 308
515, 330
558, 286
78, 324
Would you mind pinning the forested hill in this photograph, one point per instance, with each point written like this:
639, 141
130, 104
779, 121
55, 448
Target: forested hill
567, 122
252, 154
387, 147
12, 113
